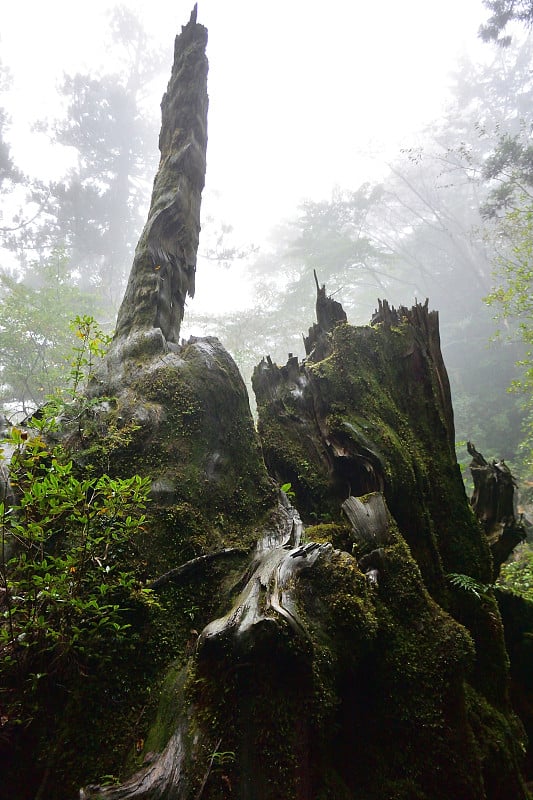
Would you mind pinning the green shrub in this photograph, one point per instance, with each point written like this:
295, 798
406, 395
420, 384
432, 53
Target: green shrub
67, 556
64, 588
517, 575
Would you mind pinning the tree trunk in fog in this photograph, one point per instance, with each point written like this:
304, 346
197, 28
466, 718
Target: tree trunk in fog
164, 267
493, 504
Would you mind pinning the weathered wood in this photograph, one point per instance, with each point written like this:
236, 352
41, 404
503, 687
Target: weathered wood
329, 313
163, 270
369, 518
266, 600
493, 503
162, 777
425, 325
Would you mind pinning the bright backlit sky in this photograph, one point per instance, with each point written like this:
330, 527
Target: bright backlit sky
304, 95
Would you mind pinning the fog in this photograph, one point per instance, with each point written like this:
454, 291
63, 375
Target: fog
347, 138
303, 97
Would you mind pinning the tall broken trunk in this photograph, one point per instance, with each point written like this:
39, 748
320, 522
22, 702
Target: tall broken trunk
164, 267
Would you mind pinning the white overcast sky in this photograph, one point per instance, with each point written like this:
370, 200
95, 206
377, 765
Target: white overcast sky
304, 94
300, 91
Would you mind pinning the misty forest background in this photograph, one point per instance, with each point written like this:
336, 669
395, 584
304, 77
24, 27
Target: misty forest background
452, 221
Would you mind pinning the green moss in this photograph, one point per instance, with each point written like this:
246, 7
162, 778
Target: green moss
517, 615
482, 618
340, 536
291, 456
256, 708
371, 417
170, 707
405, 428
339, 597
373, 703
501, 747
419, 662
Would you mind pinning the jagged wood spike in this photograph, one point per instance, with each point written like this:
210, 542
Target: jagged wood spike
164, 266
494, 505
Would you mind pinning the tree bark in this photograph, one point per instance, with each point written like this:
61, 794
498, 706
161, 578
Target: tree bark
161, 778
494, 506
164, 267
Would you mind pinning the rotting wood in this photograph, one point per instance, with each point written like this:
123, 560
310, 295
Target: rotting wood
329, 313
163, 271
426, 346
161, 777
369, 519
493, 504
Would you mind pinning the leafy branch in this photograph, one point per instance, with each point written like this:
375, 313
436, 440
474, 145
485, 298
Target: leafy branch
66, 541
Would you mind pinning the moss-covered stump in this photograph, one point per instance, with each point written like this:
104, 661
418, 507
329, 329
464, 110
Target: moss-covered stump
369, 411
375, 414
276, 665
333, 666
316, 684
181, 418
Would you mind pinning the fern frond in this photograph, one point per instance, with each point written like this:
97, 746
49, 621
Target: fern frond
468, 584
